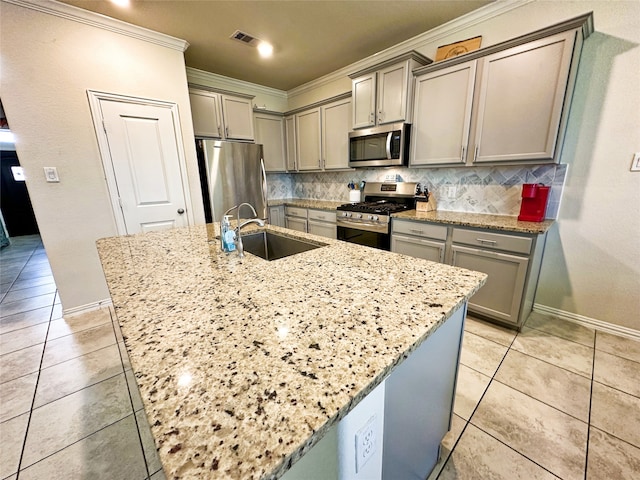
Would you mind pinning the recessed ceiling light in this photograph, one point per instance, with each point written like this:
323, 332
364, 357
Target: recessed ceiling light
121, 3
265, 49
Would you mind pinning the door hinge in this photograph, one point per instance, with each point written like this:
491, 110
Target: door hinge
120, 202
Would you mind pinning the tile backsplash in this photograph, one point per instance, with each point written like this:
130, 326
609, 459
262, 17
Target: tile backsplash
493, 190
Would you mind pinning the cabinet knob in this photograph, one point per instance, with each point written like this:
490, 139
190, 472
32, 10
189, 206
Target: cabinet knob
180, 211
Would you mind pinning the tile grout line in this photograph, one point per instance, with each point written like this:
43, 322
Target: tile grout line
18, 275
467, 422
478, 404
135, 416
593, 369
33, 400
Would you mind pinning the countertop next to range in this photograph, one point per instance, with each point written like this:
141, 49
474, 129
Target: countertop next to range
461, 219
244, 364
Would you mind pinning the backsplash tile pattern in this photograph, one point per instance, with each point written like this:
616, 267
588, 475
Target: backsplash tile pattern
494, 190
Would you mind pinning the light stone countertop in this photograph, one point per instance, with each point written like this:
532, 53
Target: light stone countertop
307, 203
477, 220
244, 364
461, 219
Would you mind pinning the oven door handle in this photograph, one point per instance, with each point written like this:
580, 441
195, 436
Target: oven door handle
369, 227
389, 135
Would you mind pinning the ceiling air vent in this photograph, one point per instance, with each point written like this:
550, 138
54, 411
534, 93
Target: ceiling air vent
245, 38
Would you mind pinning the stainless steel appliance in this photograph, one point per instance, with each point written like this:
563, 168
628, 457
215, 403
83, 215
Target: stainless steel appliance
369, 223
383, 146
231, 173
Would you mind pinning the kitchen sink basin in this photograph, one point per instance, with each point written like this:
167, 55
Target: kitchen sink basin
271, 246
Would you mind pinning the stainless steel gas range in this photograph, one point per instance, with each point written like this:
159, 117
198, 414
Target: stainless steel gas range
369, 223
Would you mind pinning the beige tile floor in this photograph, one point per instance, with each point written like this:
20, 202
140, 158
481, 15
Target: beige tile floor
557, 400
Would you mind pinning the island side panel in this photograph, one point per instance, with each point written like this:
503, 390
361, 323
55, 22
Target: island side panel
419, 403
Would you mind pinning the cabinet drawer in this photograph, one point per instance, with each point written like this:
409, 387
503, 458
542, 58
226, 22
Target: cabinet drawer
508, 243
322, 215
296, 212
419, 229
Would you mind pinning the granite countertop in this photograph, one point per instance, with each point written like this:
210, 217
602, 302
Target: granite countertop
477, 220
461, 219
244, 364
307, 203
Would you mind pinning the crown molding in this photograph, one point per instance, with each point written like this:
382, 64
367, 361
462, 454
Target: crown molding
475, 17
69, 12
204, 78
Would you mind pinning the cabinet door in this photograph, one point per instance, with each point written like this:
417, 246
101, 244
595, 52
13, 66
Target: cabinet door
500, 298
205, 112
270, 133
363, 92
392, 93
521, 100
295, 223
308, 132
336, 123
324, 229
442, 115
290, 130
418, 247
238, 118
276, 216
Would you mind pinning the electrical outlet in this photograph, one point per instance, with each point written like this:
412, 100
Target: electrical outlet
635, 164
366, 441
452, 190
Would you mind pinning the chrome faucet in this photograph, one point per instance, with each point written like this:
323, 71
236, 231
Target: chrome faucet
238, 239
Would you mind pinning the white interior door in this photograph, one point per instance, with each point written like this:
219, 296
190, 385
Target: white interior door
143, 155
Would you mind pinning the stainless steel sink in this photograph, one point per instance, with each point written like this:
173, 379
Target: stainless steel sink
272, 246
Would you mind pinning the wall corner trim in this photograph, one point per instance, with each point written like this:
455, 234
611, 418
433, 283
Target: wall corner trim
588, 322
87, 308
70, 12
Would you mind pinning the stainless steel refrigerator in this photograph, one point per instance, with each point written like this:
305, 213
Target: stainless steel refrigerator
232, 173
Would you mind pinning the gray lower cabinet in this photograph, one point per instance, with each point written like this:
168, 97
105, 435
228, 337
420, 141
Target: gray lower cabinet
511, 261
276, 216
419, 240
296, 218
322, 223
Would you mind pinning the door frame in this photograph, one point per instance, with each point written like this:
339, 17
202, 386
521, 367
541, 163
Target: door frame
95, 97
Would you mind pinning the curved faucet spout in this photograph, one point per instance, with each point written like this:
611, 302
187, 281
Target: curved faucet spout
238, 240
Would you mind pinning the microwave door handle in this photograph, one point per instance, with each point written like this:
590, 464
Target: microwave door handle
389, 135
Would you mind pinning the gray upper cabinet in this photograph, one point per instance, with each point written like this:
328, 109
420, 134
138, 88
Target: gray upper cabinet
381, 94
521, 99
217, 115
205, 111
308, 139
291, 148
507, 103
363, 90
442, 115
336, 119
270, 133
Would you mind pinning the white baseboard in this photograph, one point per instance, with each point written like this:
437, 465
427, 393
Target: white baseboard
588, 322
69, 312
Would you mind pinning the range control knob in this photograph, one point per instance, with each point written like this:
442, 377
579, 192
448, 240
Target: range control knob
373, 218
357, 215
346, 214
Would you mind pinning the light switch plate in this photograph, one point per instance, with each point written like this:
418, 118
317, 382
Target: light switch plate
51, 174
635, 164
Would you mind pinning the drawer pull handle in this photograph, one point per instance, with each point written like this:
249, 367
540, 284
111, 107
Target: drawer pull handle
486, 242
418, 232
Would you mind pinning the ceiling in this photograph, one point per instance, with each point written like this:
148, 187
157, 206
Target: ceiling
311, 38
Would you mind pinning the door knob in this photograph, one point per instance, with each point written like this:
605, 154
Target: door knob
180, 211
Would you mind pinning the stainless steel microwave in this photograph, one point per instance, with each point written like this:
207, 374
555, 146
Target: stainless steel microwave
383, 146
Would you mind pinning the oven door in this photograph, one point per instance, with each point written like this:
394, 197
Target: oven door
362, 235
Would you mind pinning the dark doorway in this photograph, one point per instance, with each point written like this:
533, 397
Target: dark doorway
14, 199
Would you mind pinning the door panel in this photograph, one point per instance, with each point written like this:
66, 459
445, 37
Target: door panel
143, 147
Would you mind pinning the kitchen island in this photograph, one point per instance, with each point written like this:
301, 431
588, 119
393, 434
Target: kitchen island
244, 365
